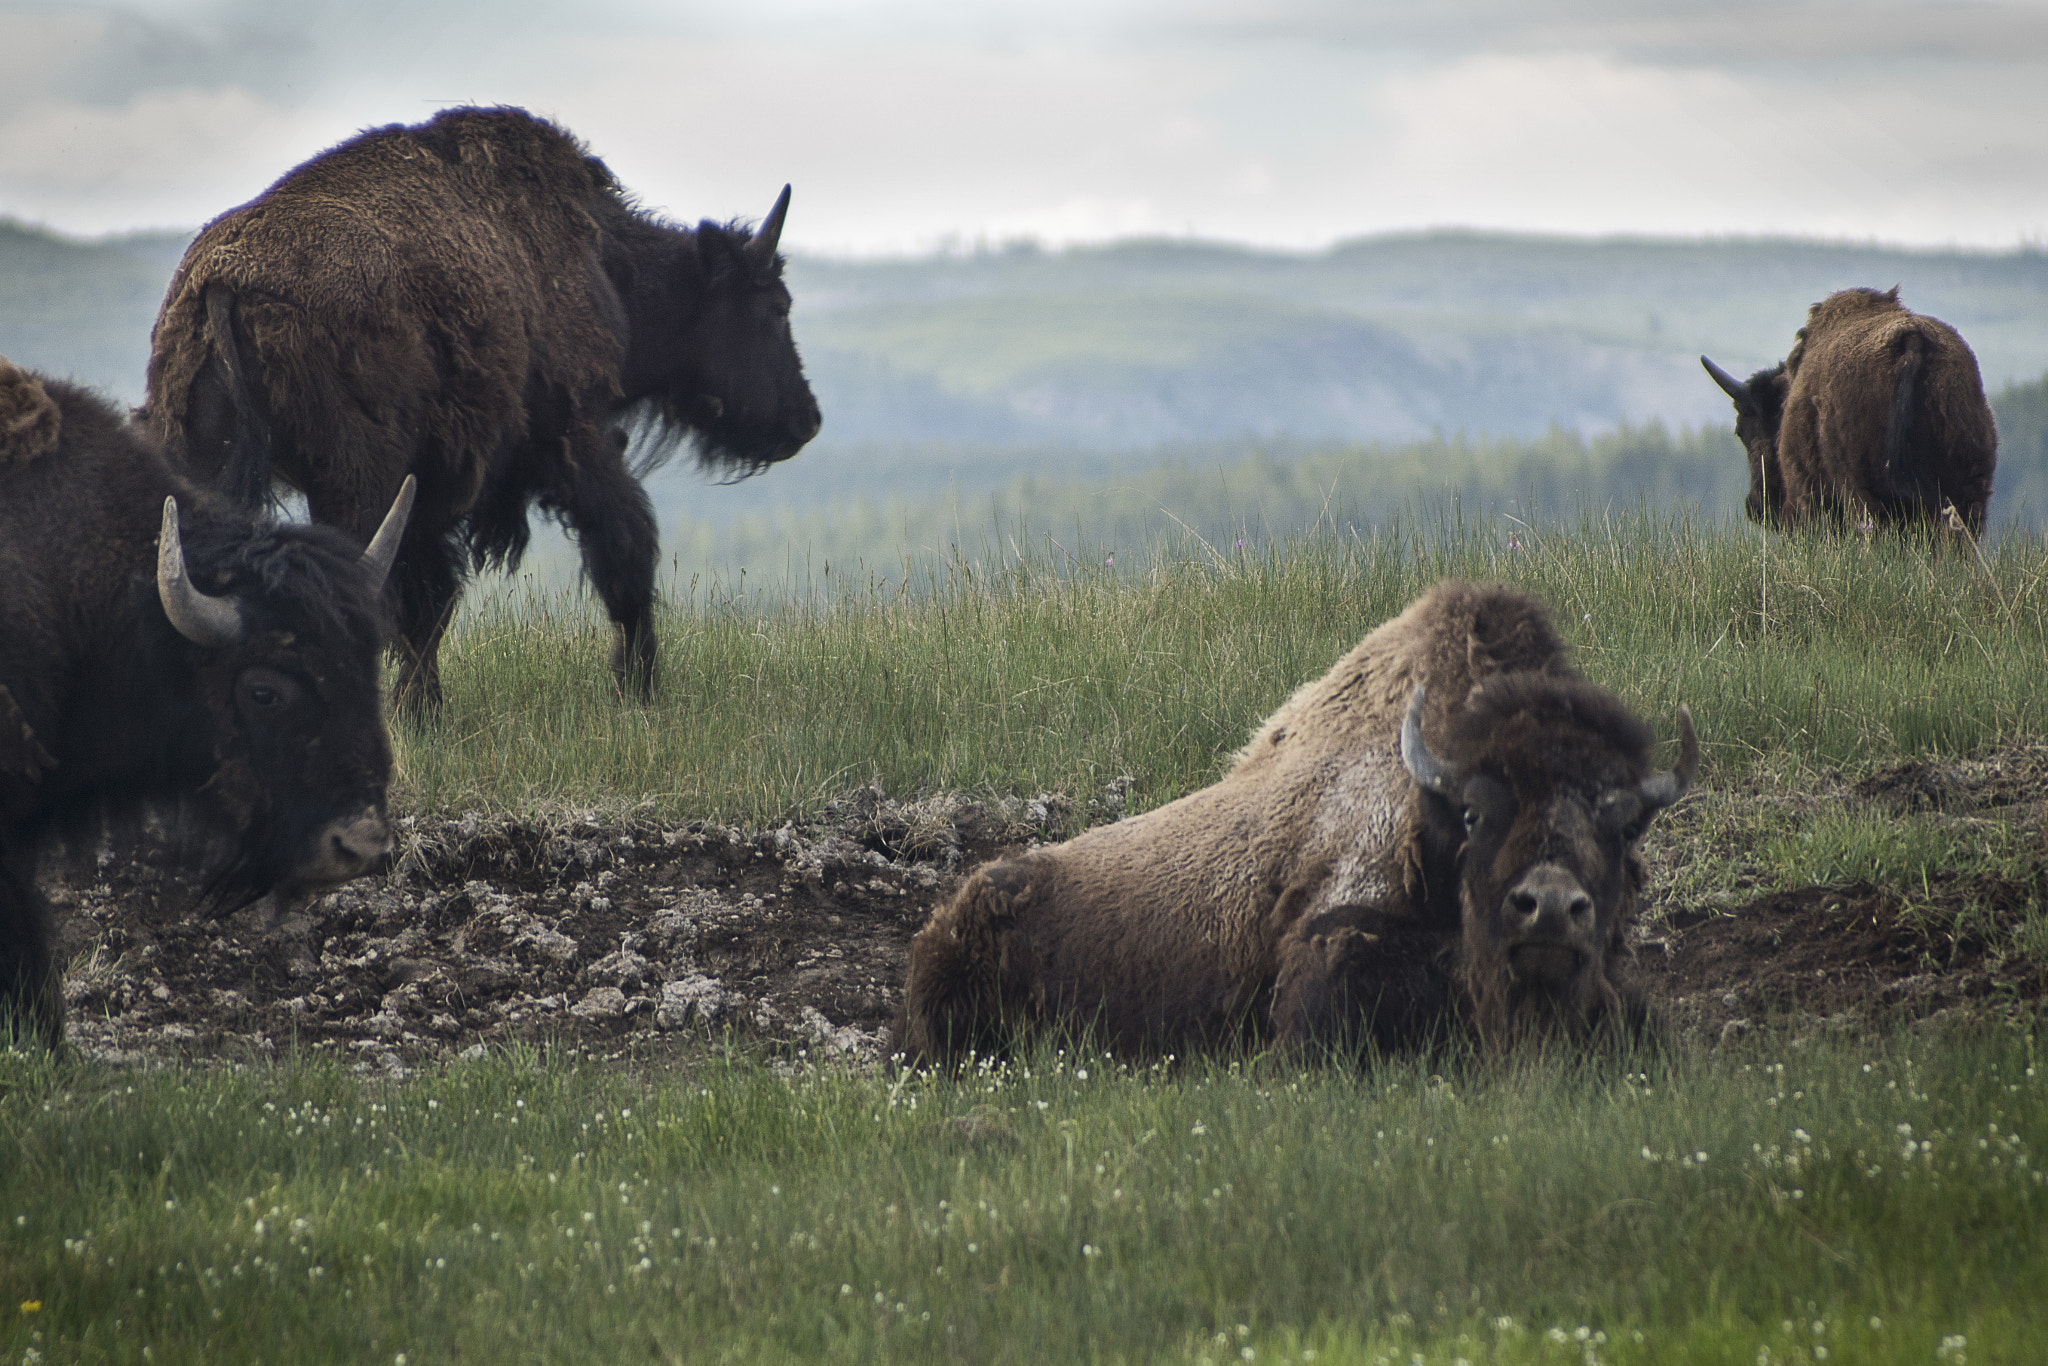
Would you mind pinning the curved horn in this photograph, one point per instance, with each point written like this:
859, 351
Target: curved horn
761, 246
205, 621
383, 547
1428, 770
1734, 387
1659, 790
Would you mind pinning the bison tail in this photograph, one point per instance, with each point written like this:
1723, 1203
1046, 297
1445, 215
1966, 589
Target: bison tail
229, 422
1902, 475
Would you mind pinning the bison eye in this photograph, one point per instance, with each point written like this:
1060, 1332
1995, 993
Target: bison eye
262, 689
1471, 819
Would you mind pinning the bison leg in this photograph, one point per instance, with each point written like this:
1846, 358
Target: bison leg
613, 520
31, 996
1377, 983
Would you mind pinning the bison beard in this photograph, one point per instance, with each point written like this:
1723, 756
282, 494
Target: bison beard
239, 680
1876, 415
475, 301
1347, 882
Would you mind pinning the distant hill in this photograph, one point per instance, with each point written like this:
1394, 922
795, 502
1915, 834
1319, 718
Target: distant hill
967, 372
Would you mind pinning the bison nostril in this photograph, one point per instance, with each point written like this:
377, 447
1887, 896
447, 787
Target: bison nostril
1523, 904
1581, 906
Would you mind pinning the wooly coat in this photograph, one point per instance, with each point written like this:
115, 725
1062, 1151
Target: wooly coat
476, 301
1337, 830
160, 644
1876, 414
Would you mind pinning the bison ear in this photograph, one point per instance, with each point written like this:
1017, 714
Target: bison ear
761, 247
1659, 790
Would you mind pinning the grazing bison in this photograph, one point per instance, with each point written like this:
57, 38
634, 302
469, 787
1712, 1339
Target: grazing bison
157, 642
1345, 876
476, 301
1877, 414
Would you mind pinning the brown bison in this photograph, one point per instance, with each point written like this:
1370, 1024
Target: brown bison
474, 300
157, 642
1876, 415
1346, 878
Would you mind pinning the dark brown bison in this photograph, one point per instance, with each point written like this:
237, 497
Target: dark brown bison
1346, 878
1876, 415
157, 642
476, 301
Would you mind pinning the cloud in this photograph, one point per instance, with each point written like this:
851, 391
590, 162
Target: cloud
905, 123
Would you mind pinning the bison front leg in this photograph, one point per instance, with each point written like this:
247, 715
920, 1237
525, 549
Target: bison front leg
31, 995
1348, 983
613, 521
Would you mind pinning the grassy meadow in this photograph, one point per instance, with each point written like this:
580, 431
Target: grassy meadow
1051, 665
1782, 1199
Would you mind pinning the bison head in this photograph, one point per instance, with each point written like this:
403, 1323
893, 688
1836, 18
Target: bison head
1543, 787
1759, 410
285, 655
726, 368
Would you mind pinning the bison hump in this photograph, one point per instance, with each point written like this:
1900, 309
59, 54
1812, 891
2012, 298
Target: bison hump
30, 422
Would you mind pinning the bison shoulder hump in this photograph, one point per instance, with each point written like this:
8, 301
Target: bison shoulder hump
30, 422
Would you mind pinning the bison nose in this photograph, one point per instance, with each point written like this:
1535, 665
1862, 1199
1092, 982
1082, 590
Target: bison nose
352, 846
1549, 904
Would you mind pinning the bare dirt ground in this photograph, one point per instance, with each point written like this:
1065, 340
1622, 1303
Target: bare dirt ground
641, 940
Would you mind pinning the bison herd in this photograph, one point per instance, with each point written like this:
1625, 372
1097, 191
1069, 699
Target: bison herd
431, 330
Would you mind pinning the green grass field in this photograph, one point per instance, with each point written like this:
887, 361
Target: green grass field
1793, 1198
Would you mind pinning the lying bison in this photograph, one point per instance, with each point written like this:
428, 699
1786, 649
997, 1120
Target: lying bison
1876, 415
158, 643
1347, 878
476, 301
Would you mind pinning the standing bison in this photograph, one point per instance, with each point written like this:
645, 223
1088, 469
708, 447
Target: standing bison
1877, 414
474, 300
159, 643
1348, 879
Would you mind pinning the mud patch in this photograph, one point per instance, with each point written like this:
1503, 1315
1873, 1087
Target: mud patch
614, 937
650, 941
1853, 957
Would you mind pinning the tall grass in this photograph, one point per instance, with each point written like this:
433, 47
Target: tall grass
1046, 665
1869, 1200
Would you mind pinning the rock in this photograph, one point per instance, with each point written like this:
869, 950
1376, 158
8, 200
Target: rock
601, 1003
696, 999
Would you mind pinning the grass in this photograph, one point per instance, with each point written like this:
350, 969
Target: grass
1872, 1200
1880, 1199
1047, 669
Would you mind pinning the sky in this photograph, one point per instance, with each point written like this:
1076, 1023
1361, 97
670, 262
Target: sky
912, 125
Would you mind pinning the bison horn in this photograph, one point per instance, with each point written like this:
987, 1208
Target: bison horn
1659, 790
762, 245
1735, 388
205, 621
383, 547
1428, 770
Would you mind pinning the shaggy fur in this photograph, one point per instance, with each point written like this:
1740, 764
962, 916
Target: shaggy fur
473, 300
1876, 413
1169, 931
104, 706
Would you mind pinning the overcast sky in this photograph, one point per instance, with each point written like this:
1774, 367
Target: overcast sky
906, 124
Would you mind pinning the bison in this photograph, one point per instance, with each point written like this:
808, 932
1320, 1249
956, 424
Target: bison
1876, 415
1347, 878
475, 301
159, 643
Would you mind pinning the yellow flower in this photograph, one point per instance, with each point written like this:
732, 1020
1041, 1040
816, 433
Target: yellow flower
31, 1306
